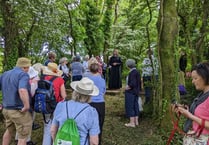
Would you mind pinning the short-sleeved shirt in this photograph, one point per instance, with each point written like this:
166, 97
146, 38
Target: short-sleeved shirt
77, 69
64, 68
101, 85
85, 65
202, 112
147, 69
87, 121
10, 82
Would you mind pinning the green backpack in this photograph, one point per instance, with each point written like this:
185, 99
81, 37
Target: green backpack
68, 134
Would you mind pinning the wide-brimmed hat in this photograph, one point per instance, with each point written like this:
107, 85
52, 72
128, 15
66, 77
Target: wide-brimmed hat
52, 69
23, 62
32, 72
85, 86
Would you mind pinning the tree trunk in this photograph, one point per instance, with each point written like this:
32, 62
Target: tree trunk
167, 32
199, 45
10, 33
107, 27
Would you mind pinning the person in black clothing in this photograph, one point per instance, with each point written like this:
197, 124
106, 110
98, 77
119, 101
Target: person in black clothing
115, 66
183, 62
133, 86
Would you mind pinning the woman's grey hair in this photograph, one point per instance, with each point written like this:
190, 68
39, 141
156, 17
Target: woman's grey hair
130, 63
80, 97
62, 60
86, 57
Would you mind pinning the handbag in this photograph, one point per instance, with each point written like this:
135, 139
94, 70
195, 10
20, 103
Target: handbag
140, 104
195, 137
194, 140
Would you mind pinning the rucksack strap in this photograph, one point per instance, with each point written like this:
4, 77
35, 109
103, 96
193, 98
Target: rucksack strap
78, 112
51, 80
76, 117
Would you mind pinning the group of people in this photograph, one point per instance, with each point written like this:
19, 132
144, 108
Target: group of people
18, 87
89, 84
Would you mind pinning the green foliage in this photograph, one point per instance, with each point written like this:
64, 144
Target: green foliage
99, 27
93, 41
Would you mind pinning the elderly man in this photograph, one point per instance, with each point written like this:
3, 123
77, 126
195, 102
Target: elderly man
15, 88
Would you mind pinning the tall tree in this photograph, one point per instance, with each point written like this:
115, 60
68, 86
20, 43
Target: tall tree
107, 26
167, 33
93, 41
10, 33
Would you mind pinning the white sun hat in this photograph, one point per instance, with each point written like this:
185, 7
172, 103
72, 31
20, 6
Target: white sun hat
85, 86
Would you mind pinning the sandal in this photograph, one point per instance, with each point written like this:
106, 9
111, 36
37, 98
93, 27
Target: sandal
130, 125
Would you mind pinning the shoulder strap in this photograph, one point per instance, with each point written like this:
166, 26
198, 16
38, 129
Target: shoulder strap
53, 78
76, 116
67, 110
78, 112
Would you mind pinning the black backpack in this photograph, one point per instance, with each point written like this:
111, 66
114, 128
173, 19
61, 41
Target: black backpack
44, 98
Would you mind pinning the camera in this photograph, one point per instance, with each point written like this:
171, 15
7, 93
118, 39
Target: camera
176, 104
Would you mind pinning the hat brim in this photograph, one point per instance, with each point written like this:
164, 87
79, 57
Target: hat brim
94, 93
47, 71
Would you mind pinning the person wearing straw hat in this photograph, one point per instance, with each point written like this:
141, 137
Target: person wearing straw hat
60, 94
87, 121
15, 88
33, 75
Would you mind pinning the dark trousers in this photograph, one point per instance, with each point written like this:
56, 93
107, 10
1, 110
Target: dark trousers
131, 105
147, 88
100, 107
77, 78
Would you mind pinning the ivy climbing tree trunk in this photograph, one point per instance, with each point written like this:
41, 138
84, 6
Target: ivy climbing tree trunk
167, 32
107, 27
11, 35
203, 31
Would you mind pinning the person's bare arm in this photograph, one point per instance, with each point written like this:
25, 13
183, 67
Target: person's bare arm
53, 131
24, 96
63, 91
94, 140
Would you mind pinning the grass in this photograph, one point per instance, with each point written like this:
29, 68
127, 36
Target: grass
114, 131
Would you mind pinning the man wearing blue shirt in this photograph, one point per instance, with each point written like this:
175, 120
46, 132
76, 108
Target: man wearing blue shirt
15, 88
